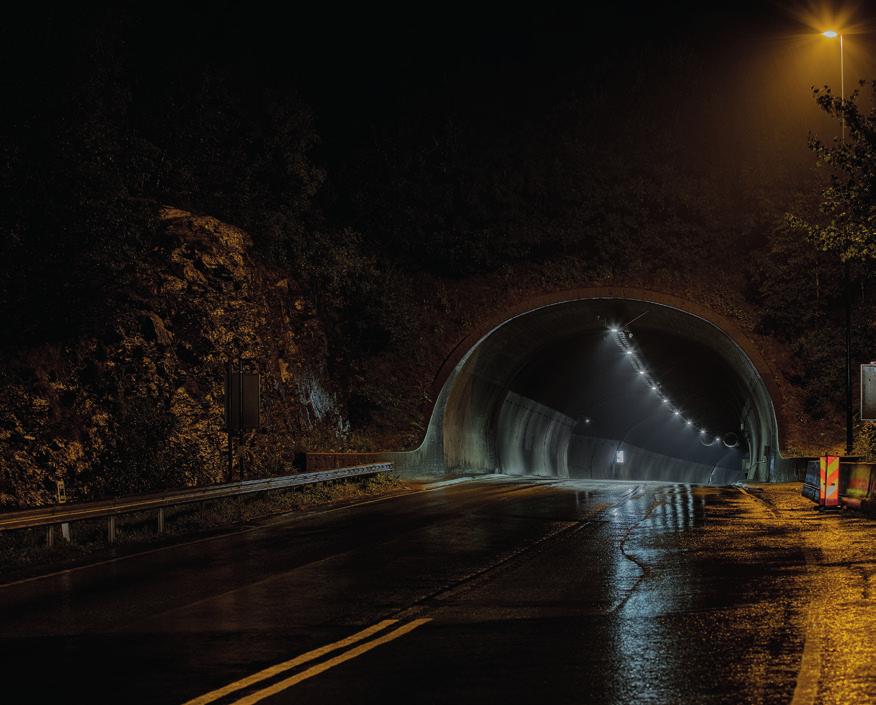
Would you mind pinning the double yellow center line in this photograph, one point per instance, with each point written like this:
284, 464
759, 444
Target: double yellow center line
279, 668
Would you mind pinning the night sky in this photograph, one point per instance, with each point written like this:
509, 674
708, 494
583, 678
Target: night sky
730, 84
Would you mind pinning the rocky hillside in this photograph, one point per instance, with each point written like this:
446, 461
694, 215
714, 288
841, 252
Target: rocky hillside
141, 406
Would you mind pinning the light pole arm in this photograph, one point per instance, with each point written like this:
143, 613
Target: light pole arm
842, 87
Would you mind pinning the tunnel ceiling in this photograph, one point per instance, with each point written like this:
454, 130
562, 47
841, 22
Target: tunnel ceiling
562, 365
588, 376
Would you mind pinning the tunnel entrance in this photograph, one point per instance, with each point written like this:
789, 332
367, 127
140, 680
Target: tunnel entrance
635, 402
606, 387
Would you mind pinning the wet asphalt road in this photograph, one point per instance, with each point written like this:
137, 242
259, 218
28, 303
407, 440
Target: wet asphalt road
488, 592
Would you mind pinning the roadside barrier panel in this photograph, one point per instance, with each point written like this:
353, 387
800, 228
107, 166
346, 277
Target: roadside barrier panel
855, 483
858, 483
811, 481
829, 467
860, 488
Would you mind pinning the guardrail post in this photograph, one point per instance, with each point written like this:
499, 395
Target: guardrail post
161, 520
65, 531
111, 528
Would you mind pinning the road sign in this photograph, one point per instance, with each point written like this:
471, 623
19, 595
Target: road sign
242, 408
868, 392
246, 407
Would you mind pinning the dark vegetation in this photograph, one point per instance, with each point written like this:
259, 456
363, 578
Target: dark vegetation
363, 189
820, 245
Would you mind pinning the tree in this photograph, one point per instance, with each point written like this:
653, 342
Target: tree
846, 226
848, 204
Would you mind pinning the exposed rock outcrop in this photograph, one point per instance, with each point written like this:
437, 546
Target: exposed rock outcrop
141, 407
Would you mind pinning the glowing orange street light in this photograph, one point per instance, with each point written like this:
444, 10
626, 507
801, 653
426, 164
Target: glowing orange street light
831, 34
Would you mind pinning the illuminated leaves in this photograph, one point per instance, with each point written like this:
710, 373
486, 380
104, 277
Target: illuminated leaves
848, 203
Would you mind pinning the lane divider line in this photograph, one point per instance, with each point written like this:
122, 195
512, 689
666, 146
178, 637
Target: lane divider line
525, 552
271, 671
259, 695
282, 685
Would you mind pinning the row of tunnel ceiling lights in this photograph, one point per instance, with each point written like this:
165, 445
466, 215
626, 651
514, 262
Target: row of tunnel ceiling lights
624, 344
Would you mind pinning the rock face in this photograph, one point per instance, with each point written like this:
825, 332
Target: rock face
141, 408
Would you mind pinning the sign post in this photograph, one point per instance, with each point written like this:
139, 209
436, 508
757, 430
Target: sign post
242, 407
229, 371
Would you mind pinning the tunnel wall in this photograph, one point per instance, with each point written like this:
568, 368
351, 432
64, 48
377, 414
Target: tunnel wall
591, 457
532, 439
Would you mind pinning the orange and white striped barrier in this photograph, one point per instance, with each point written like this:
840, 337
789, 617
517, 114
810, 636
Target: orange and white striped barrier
828, 490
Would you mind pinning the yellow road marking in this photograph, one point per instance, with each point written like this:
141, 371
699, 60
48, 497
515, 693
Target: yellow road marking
291, 663
331, 663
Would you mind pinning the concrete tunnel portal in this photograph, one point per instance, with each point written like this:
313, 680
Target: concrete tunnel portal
633, 387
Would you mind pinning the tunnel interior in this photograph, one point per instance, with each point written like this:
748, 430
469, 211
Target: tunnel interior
605, 389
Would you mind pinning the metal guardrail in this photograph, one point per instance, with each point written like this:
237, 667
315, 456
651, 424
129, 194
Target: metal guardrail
63, 514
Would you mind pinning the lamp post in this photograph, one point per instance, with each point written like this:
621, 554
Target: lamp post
850, 440
831, 34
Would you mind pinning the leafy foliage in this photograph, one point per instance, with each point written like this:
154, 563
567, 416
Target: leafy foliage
799, 282
139, 458
848, 204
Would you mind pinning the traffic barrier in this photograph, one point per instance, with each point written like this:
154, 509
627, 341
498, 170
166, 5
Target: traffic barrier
860, 490
829, 484
858, 482
811, 481
62, 515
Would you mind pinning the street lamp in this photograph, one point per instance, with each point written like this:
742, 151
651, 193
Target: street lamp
850, 440
831, 34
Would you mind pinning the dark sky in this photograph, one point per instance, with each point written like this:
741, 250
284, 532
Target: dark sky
364, 62
727, 85
746, 66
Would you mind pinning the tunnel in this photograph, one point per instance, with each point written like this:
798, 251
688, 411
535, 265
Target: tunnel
605, 388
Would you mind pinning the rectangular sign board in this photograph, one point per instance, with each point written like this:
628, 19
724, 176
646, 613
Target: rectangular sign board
868, 392
251, 402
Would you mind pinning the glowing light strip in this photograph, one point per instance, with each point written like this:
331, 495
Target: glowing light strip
622, 339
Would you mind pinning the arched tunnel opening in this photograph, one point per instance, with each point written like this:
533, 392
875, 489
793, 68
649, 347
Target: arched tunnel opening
605, 388
648, 404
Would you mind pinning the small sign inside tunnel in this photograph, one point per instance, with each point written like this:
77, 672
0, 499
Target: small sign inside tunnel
619, 457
